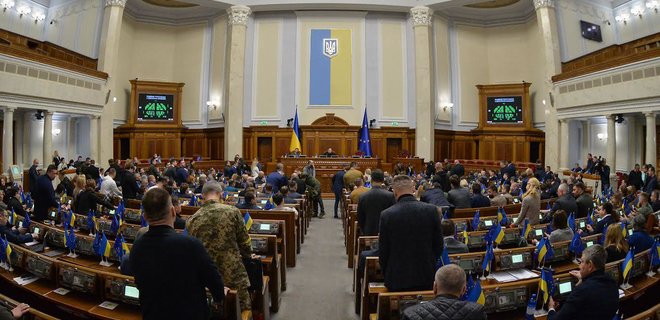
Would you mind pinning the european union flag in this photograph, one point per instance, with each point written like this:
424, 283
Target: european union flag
576, 246
488, 258
602, 236
364, 142
627, 265
445, 214
548, 229
269, 204
71, 241
143, 221
445, 257
193, 201
475, 221
571, 221
91, 224
468, 287
501, 216
590, 220
114, 226
655, 254
26, 220
546, 283
119, 246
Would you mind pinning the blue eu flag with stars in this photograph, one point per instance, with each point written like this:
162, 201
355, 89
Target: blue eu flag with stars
364, 144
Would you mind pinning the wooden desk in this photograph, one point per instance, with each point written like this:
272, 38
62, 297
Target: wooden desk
327, 167
418, 164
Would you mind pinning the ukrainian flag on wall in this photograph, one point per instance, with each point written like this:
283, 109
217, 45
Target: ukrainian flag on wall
330, 67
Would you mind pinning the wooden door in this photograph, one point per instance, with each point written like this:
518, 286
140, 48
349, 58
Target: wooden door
265, 148
394, 147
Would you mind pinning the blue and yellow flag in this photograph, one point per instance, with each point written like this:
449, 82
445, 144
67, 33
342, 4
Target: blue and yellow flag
445, 257
330, 67
465, 236
541, 250
546, 283
296, 138
501, 216
624, 232
269, 204
498, 234
476, 294
627, 264
7, 250
526, 229
12, 217
248, 221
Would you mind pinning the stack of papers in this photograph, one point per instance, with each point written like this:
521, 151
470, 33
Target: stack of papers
513, 275
27, 279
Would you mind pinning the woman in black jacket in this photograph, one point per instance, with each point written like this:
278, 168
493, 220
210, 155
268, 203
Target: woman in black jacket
88, 199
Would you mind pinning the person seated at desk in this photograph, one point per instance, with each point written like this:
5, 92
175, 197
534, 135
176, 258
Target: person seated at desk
179, 222
596, 295
451, 244
7, 313
435, 196
561, 230
358, 191
448, 287
295, 153
458, 196
249, 203
165, 294
278, 200
640, 240
329, 153
608, 216
565, 201
615, 245
478, 200
293, 191
184, 191
13, 203
10, 232
496, 199
88, 199
285, 193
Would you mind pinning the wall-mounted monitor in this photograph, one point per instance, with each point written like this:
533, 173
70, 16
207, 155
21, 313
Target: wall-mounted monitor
155, 107
591, 31
507, 110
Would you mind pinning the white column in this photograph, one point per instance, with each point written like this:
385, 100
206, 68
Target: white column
19, 141
422, 18
651, 152
547, 22
94, 138
563, 143
71, 138
48, 139
8, 139
237, 20
27, 139
611, 143
108, 61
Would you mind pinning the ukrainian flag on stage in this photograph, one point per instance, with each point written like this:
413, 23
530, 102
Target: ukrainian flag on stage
330, 67
295, 135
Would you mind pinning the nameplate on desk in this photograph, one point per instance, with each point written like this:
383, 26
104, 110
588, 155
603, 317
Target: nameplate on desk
61, 291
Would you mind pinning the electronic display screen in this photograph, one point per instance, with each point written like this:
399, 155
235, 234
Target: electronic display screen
264, 226
591, 31
518, 258
538, 232
630, 232
504, 298
504, 109
582, 224
466, 264
565, 287
53, 214
131, 292
155, 107
488, 223
111, 212
36, 230
264, 201
515, 200
590, 243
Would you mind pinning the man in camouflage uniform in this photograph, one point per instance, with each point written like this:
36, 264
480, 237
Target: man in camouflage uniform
314, 187
221, 229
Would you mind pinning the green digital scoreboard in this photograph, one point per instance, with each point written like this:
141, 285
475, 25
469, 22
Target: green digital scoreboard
505, 110
155, 107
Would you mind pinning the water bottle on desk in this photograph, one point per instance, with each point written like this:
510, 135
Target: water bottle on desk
531, 308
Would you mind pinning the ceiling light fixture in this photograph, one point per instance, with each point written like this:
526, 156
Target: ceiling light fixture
7, 4
23, 11
623, 18
653, 5
637, 11
38, 17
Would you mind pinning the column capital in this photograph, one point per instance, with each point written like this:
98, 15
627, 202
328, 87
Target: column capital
9, 109
649, 114
94, 116
563, 121
538, 4
610, 116
238, 15
118, 3
421, 16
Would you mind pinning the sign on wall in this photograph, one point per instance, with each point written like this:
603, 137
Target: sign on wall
331, 68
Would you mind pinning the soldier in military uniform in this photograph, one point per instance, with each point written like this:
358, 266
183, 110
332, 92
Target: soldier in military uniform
314, 186
221, 229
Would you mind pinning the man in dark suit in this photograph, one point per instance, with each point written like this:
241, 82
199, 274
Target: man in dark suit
596, 295
441, 176
435, 196
92, 171
548, 175
457, 169
635, 177
451, 244
181, 175
565, 201
249, 202
651, 181
337, 187
510, 169
448, 288
44, 194
372, 203
478, 200
129, 187
165, 294
277, 178
584, 201
34, 175
170, 171
458, 196
410, 240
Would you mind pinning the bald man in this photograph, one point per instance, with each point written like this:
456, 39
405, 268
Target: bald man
410, 239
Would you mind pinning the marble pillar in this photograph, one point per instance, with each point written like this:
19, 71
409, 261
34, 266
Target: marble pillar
422, 18
8, 139
564, 145
547, 22
108, 61
651, 152
28, 157
19, 141
233, 111
611, 143
94, 138
48, 139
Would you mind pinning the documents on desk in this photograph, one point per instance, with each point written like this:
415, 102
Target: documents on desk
27, 279
29, 244
514, 275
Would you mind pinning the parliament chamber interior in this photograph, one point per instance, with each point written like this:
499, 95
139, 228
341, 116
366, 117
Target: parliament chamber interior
329, 159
